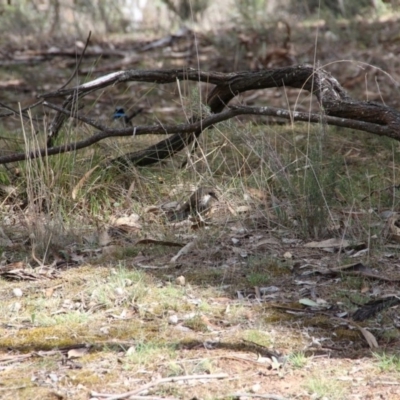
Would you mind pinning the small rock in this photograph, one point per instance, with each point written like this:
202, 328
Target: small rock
180, 280
17, 292
105, 330
119, 291
255, 388
288, 255
15, 307
53, 377
173, 319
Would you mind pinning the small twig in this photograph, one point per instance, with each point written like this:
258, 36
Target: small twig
12, 111
155, 383
17, 388
392, 187
41, 264
78, 64
259, 396
74, 115
387, 383
14, 358
70, 102
134, 114
242, 359
151, 398
139, 265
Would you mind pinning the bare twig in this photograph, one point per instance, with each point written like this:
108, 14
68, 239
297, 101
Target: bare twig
11, 388
158, 382
70, 102
258, 396
72, 114
17, 112
137, 397
78, 63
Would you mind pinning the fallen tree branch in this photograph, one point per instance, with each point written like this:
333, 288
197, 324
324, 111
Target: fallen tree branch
331, 96
183, 133
338, 108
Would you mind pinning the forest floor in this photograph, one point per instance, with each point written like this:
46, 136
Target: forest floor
104, 295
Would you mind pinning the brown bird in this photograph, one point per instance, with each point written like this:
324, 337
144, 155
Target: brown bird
199, 203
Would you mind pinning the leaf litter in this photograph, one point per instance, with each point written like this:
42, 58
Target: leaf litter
230, 324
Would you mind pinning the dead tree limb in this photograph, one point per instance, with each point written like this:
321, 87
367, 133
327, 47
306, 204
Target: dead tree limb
338, 107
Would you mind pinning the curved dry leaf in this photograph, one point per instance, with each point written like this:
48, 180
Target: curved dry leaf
242, 209
267, 241
392, 227
76, 353
78, 186
169, 206
129, 220
369, 337
184, 250
5, 241
308, 303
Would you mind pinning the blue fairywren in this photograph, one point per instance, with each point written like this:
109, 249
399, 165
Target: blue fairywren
123, 118
119, 115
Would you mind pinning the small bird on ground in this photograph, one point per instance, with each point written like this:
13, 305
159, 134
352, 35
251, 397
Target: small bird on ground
199, 203
123, 118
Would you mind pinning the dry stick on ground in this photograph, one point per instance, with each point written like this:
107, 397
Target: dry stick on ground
151, 398
258, 396
158, 382
339, 108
